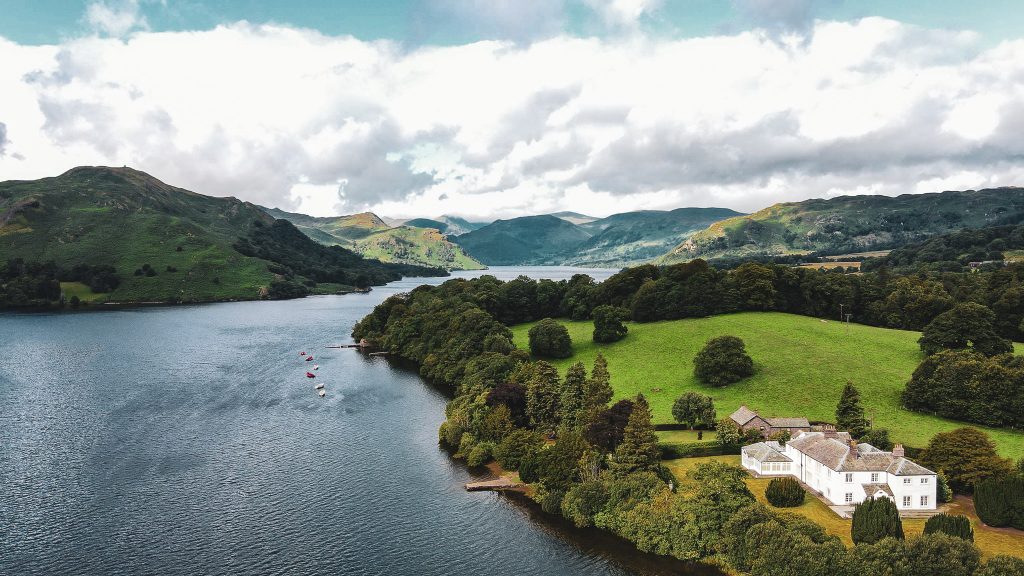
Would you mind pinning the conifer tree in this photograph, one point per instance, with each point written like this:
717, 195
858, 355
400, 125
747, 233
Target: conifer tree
542, 396
572, 401
876, 519
638, 450
849, 412
599, 385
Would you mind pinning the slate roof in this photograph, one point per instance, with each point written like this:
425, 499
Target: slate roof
766, 452
835, 454
742, 415
872, 489
789, 423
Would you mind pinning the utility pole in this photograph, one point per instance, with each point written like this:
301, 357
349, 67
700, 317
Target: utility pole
840, 312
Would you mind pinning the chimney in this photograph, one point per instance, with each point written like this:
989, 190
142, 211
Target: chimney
829, 430
853, 449
897, 451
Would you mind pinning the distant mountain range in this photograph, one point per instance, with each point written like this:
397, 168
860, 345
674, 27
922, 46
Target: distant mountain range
568, 238
449, 225
170, 244
850, 224
367, 234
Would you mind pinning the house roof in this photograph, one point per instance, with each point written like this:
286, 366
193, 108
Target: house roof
742, 415
835, 453
789, 423
871, 489
766, 452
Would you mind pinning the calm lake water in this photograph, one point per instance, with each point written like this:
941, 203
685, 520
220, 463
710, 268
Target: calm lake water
187, 440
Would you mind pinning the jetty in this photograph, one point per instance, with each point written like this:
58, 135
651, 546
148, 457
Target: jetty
496, 485
363, 344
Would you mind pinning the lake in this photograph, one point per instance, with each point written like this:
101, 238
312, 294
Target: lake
187, 440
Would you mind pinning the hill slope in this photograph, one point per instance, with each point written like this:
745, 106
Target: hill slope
448, 225
522, 241
369, 235
802, 364
126, 218
850, 224
633, 237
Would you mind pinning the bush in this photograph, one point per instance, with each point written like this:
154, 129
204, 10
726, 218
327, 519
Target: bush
967, 456
583, 501
1000, 501
529, 468
608, 326
480, 454
551, 502
517, 447
1002, 565
722, 361
549, 339
877, 437
954, 525
874, 520
784, 493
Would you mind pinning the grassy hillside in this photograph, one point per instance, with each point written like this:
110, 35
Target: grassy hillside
850, 224
526, 240
126, 218
632, 237
802, 364
367, 234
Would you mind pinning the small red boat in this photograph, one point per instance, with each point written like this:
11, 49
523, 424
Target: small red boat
310, 375
308, 358
302, 353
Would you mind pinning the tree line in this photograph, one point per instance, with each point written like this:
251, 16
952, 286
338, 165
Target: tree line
37, 285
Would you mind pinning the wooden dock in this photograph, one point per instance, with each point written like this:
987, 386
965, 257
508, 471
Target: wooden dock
496, 485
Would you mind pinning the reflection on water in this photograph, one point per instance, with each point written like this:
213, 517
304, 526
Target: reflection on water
186, 440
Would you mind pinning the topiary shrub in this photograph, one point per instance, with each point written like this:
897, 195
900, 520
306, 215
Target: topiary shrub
1000, 501
954, 525
549, 339
722, 361
874, 520
784, 493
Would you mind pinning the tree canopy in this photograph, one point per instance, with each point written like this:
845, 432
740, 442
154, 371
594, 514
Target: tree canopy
722, 361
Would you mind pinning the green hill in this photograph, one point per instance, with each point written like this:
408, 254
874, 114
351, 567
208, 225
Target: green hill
127, 219
850, 224
367, 234
633, 237
528, 240
802, 364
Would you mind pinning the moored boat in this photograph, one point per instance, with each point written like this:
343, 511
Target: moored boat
310, 375
322, 392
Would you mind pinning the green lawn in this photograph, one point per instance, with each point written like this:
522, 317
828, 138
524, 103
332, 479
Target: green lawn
81, 290
684, 436
991, 541
802, 364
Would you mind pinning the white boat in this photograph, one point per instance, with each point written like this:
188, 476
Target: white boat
319, 386
322, 392
316, 366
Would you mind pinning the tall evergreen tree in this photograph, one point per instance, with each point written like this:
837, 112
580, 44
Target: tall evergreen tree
599, 385
638, 450
849, 412
876, 519
542, 396
572, 406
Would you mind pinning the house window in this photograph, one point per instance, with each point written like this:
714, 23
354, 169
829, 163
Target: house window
906, 501
924, 500
924, 480
874, 476
906, 480
849, 478
848, 498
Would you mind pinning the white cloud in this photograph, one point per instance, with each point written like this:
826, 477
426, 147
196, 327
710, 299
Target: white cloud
115, 19
296, 119
624, 13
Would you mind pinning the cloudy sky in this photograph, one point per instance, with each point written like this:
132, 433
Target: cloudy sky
499, 108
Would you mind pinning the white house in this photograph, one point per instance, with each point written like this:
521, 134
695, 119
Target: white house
845, 472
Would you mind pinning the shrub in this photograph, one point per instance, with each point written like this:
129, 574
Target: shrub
1000, 501
784, 493
876, 519
1002, 565
608, 326
549, 339
551, 501
967, 456
583, 501
954, 525
877, 437
517, 447
722, 361
480, 454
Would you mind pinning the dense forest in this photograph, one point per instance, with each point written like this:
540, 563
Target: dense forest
37, 285
603, 467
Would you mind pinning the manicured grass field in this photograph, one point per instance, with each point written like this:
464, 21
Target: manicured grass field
991, 541
802, 364
684, 436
